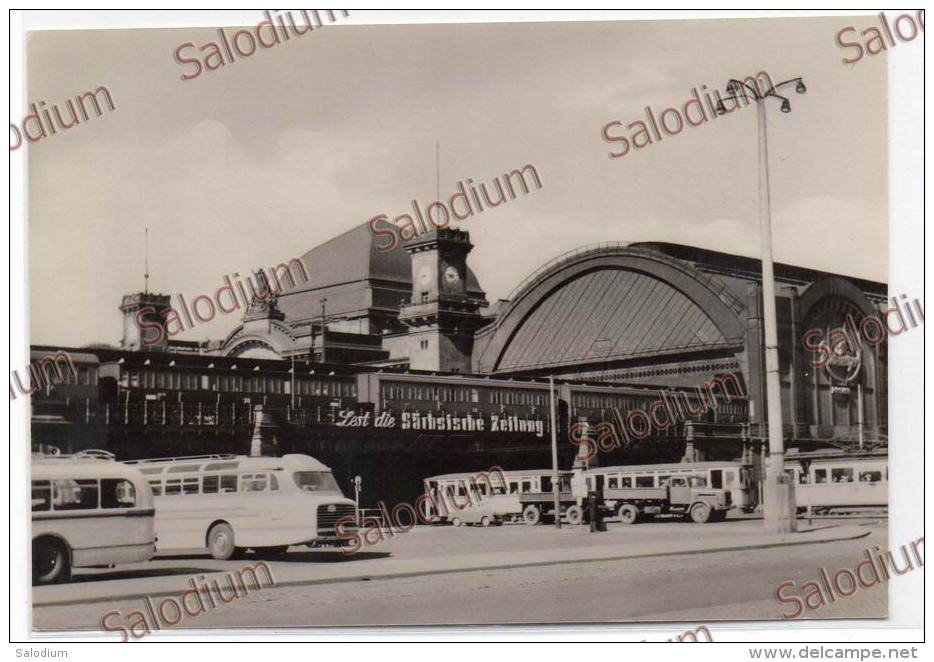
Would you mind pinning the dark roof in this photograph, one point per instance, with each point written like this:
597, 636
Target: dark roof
354, 256
355, 276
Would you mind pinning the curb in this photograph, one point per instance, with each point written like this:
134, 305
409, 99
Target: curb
405, 574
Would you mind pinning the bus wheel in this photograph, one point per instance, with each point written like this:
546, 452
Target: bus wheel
457, 521
50, 561
531, 515
628, 513
700, 513
221, 542
485, 521
575, 515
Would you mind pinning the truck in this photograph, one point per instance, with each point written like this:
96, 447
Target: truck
678, 495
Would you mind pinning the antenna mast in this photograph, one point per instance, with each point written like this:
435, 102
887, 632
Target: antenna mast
146, 275
438, 170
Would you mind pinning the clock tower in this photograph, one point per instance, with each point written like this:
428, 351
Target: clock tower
443, 313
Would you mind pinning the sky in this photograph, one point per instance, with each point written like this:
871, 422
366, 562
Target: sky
259, 161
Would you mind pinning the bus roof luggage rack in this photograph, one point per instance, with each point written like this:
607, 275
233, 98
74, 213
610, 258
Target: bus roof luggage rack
86, 454
216, 456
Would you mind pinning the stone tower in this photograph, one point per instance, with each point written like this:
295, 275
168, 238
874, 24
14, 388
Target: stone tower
144, 322
442, 316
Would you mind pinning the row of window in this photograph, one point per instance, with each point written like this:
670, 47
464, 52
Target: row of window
330, 389
83, 494
215, 484
165, 379
462, 394
608, 401
81, 376
844, 475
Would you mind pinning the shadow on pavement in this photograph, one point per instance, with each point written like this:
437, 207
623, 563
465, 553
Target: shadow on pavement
136, 573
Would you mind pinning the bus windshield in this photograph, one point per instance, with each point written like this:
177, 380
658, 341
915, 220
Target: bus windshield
316, 481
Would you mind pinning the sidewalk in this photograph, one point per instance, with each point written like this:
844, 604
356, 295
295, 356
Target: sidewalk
151, 579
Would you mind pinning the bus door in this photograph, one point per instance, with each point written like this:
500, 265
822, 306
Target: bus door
716, 479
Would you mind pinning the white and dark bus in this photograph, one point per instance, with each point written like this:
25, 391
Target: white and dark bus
226, 504
87, 510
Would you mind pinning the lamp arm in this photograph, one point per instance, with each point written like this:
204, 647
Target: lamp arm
745, 86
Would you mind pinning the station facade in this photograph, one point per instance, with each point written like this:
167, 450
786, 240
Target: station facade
393, 365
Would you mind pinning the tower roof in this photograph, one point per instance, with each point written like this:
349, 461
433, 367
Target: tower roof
348, 270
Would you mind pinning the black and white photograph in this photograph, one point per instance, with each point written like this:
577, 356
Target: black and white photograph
467, 323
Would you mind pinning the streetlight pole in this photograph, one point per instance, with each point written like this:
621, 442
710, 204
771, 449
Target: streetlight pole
780, 510
324, 324
554, 454
293, 374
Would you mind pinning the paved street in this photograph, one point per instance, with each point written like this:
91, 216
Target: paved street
691, 587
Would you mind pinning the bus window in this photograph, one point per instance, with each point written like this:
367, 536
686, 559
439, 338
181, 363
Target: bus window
645, 481
870, 476
664, 480
273, 483
173, 486
190, 485
730, 477
513, 486
589, 481
526, 486
41, 495
253, 482
612, 482
546, 483
117, 493
480, 487
820, 475
156, 487
210, 484
625, 481
842, 475
461, 490
74, 494
319, 481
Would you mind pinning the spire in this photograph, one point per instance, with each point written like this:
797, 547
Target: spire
146, 275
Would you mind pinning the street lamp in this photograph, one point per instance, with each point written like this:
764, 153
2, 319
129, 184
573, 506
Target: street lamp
357, 486
778, 492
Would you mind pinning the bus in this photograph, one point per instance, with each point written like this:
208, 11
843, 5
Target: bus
486, 497
87, 511
227, 504
836, 484
733, 476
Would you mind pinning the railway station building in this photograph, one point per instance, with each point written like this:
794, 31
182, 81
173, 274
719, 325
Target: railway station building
394, 365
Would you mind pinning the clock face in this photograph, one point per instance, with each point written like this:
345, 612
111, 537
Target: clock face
451, 276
